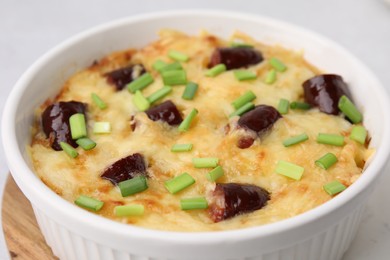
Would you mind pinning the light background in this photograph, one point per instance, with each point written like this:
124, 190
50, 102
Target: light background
29, 28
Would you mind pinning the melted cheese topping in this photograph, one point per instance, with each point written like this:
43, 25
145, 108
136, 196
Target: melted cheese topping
208, 133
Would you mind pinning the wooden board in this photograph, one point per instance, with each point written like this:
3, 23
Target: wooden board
21, 231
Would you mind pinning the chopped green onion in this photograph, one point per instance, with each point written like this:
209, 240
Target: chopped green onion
277, 64
194, 203
190, 90
283, 106
185, 125
334, 187
300, 105
89, 203
78, 128
349, 109
171, 66
242, 110
295, 140
102, 128
242, 100
290, 170
174, 77
98, 101
215, 174
129, 210
179, 56
159, 64
216, 70
359, 134
242, 75
326, 161
140, 101
159, 94
69, 150
140, 83
208, 162
179, 183
86, 143
270, 78
240, 45
332, 139
181, 148
133, 186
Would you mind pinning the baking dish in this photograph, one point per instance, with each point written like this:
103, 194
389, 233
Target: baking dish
72, 233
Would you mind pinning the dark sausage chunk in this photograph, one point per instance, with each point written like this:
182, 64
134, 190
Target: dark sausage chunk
166, 111
245, 142
125, 169
55, 122
232, 199
325, 91
123, 76
260, 119
235, 58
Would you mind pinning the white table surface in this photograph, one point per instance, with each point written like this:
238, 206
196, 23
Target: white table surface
29, 28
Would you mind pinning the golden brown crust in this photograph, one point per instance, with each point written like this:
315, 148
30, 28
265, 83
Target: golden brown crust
212, 134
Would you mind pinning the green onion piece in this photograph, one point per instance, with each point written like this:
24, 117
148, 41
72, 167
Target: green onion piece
185, 125
359, 134
270, 78
349, 109
129, 210
283, 106
242, 110
159, 94
179, 56
334, 187
215, 174
295, 140
190, 90
140, 83
133, 186
240, 45
171, 66
326, 161
159, 64
174, 77
181, 148
86, 143
332, 139
242, 100
300, 105
102, 128
208, 162
69, 150
290, 170
242, 75
277, 64
89, 203
179, 183
78, 128
216, 70
98, 101
194, 203
140, 101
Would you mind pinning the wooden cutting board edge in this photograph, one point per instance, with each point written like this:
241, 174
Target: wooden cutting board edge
21, 231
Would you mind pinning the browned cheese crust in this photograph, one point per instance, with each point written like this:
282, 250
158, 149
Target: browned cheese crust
212, 134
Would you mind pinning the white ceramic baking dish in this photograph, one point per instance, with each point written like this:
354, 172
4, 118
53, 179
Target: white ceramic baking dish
323, 233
